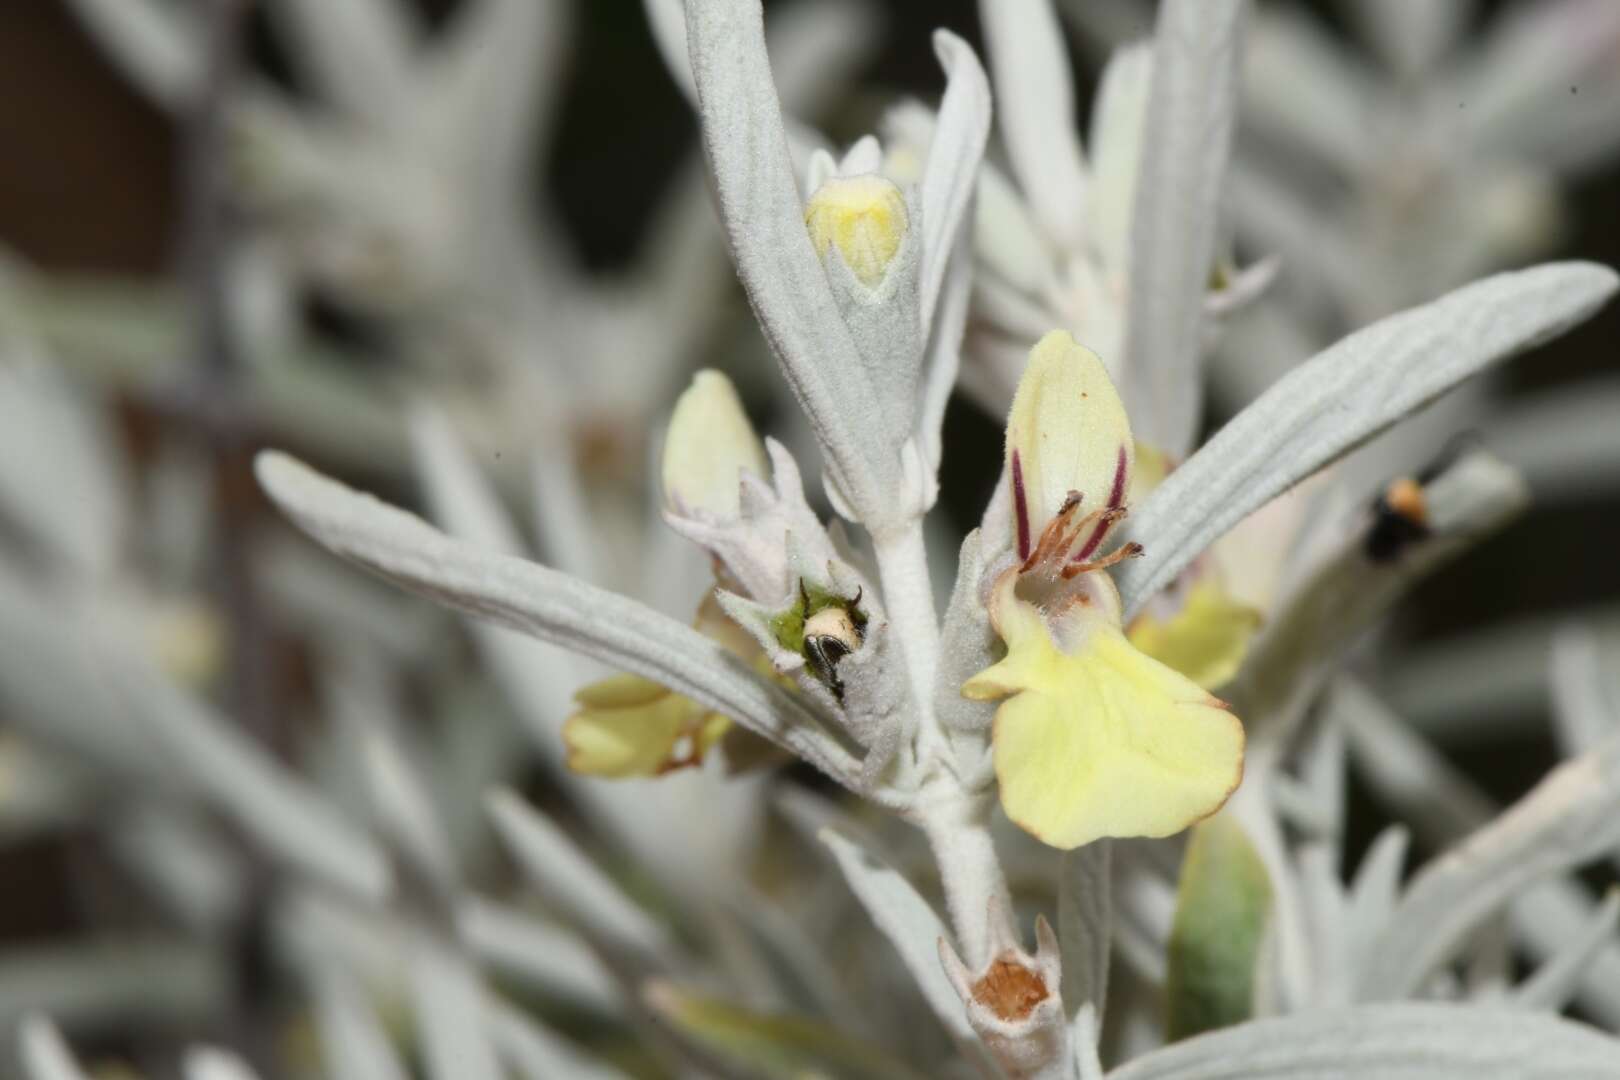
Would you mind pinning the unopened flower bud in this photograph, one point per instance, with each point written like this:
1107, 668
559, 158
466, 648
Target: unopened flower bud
710, 441
864, 217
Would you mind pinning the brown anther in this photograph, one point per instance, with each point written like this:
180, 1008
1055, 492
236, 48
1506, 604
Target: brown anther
1404, 497
1009, 989
1129, 551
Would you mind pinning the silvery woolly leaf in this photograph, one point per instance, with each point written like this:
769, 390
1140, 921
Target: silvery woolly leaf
572, 882
399, 800
490, 85
1556, 981
45, 1055
54, 438
354, 1043
158, 43
1301, 85
1412, 36
772, 1046
126, 980
358, 53
271, 804
448, 1003
1190, 116
1409, 1041
1569, 818
859, 431
547, 605
532, 1052
1586, 700
1442, 805
1344, 396
952, 167
911, 925
211, 1063
1035, 111
1085, 926
1563, 440
543, 955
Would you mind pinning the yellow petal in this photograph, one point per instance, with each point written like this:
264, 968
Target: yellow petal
1206, 640
864, 217
1067, 432
631, 726
1108, 742
710, 440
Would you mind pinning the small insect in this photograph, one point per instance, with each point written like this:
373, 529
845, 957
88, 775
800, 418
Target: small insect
830, 635
1401, 511
1400, 519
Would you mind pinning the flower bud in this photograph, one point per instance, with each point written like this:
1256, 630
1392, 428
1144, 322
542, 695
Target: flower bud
865, 217
710, 441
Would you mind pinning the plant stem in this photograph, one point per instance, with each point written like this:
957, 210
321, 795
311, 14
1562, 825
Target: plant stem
956, 822
971, 873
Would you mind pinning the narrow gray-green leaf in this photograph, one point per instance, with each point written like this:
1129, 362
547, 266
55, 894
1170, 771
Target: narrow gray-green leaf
914, 929
1344, 396
448, 1003
358, 53
1175, 215
859, 432
1085, 926
533, 1052
1557, 980
159, 44
1035, 112
45, 1055
568, 879
1569, 818
354, 1043
1409, 1041
547, 605
1586, 706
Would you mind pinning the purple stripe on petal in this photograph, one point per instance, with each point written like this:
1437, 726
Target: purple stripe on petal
1020, 506
1117, 495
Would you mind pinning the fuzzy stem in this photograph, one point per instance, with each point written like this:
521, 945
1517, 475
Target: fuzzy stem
908, 596
971, 873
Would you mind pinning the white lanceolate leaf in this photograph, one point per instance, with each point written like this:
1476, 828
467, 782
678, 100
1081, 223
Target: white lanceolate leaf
1562, 440
534, 1053
1409, 1041
271, 804
860, 433
1586, 705
1376, 887
1190, 115
1442, 806
54, 441
1085, 926
1411, 35
1569, 818
448, 1002
548, 605
353, 1041
211, 1063
1118, 133
1035, 112
1301, 85
134, 981
399, 800
158, 42
911, 925
357, 52
952, 170
1341, 398
45, 1056
1556, 981
554, 960
570, 881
